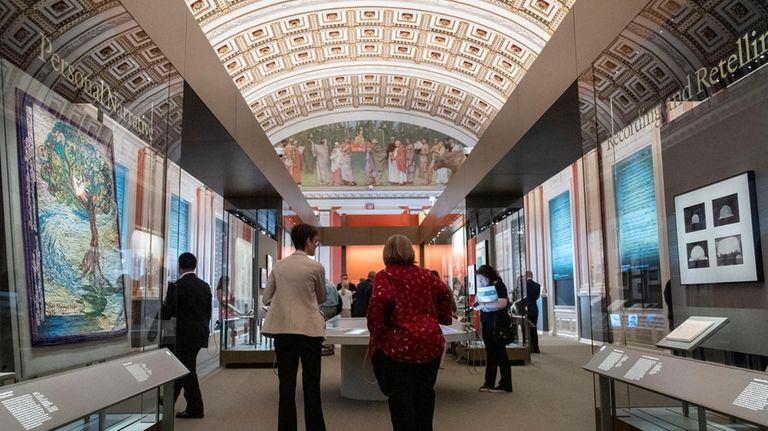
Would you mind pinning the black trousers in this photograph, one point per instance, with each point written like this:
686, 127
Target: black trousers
189, 383
496, 357
534, 333
410, 389
289, 349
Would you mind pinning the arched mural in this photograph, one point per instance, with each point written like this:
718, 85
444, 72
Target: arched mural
371, 153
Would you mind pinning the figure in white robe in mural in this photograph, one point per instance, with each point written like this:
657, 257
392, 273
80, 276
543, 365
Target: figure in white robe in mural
344, 158
322, 162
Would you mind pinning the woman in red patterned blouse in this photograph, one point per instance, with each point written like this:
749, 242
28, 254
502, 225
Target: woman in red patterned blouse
407, 306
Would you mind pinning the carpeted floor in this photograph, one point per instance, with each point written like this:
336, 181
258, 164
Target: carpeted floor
552, 393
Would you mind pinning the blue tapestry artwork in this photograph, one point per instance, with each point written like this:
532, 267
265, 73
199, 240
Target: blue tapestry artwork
70, 222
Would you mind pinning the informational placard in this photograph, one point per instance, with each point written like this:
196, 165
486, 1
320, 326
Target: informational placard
637, 220
48, 402
735, 392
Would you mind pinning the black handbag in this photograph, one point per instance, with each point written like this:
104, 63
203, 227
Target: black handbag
503, 332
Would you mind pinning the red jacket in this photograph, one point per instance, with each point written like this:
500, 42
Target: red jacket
407, 306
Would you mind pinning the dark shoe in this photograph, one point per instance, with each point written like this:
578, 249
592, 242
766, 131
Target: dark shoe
536, 351
499, 389
187, 415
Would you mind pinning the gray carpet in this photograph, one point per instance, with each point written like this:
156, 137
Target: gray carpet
552, 393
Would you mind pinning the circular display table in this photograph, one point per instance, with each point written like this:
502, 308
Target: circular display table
357, 379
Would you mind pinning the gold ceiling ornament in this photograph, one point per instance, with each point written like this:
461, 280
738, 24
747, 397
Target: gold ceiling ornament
457, 61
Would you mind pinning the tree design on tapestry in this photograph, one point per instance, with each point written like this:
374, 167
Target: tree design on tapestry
78, 176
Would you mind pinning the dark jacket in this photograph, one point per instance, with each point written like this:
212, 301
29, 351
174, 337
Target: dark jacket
189, 301
532, 294
361, 298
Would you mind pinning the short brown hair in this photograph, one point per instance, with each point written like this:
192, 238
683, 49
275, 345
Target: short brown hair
398, 251
301, 233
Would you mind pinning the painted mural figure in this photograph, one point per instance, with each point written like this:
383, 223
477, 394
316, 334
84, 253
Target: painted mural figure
344, 158
379, 160
307, 156
423, 151
398, 164
410, 162
370, 164
322, 162
292, 159
442, 174
335, 164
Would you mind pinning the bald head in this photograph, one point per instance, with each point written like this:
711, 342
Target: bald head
371, 274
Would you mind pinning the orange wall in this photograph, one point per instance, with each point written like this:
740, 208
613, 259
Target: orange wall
438, 257
364, 258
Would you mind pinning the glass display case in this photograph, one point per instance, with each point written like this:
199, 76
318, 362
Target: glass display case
673, 135
95, 207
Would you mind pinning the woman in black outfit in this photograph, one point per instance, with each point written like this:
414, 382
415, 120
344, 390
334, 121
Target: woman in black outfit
493, 314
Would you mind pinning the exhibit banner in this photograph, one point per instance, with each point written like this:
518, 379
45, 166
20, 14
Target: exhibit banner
561, 241
717, 233
74, 268
636, 211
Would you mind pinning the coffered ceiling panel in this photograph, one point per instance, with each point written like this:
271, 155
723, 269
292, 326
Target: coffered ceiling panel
449, 62
100, 40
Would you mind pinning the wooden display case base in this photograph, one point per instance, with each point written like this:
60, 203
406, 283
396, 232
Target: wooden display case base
247, 358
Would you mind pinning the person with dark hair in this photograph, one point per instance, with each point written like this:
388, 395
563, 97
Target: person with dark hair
494, 313
406, 309
295, 289
189, 300
532, 294
363, 296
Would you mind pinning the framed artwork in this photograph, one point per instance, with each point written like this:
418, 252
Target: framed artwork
718, 238
74, 273
471, 282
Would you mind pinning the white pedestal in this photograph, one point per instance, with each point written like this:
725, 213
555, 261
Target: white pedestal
357, 379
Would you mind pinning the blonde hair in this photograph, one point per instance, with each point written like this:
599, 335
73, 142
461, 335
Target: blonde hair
398, 251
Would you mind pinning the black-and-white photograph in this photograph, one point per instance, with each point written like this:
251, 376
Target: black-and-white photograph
725, 210
698, 255
695, 218
728, 250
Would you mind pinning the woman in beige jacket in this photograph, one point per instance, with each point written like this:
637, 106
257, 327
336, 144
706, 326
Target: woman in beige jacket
295, 289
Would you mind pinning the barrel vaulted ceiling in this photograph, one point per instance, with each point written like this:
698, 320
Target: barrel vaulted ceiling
445, 65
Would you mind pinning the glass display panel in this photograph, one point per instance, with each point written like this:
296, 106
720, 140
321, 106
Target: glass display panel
90, 108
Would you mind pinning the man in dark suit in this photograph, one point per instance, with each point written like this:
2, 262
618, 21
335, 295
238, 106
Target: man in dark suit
362, 296
532, 294
189, 301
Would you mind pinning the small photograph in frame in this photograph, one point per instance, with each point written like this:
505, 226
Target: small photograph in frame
695, 218
698, 256
728, 251
725, 210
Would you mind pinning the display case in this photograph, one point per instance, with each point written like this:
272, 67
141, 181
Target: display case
94, 205
128, 403
673, 208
